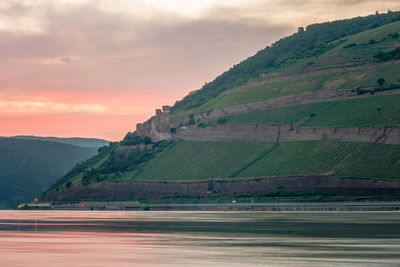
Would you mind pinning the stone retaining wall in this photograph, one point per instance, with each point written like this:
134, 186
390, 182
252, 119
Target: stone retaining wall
285, 133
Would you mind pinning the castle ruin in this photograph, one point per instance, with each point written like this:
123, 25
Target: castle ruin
157, 128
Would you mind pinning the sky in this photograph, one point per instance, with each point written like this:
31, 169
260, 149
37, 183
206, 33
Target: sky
95, 68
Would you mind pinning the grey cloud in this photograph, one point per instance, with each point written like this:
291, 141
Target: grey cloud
125, 52
86, 29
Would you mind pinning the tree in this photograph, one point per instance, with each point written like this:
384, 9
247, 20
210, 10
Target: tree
380, 81
68, 184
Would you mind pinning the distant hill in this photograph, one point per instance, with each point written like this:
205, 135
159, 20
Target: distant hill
317, 113
77, 141
28, 167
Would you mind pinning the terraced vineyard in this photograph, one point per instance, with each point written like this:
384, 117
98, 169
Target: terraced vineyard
194, 161
341, 80
328, 158
276, 116
374, 111
371, 111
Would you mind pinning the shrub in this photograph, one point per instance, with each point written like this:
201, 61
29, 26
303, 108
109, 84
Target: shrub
309, 63
222, 120
350, 45
191, 121
391, 55
133, 139
380, 81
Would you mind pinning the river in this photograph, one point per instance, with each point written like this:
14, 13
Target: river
150, 238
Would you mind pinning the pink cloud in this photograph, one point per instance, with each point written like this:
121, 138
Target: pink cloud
78, 69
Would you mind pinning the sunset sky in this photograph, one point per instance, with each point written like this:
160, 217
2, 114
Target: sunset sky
95, 68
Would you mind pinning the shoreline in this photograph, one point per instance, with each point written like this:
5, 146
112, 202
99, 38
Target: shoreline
276, 206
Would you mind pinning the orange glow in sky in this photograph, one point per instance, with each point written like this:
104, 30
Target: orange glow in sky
95, 68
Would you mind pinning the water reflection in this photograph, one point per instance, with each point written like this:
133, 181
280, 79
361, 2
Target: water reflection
199, 238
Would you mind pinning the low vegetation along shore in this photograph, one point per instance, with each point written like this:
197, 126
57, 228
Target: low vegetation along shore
228, 206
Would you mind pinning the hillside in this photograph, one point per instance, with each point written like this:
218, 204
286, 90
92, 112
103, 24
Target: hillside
76, 141
317, 111
28, 167
294, 52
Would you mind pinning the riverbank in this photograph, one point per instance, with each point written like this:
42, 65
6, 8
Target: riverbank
279, 206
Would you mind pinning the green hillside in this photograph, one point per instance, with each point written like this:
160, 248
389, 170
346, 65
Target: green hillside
296, 51
199, 161
227, 160
356, 60
341, 80
28, 167
371, 111
328, 158
240, 160
323, 72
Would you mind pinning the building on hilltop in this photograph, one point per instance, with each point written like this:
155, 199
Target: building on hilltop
158, 127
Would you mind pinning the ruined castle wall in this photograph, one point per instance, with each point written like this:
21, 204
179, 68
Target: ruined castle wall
180, 121
140, 147
143, 129
158, 128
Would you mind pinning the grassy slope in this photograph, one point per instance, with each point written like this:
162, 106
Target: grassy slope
293, 52
329, 158
375, 111
343, 55
28, 167
307, 84
75, 175
380, 35
372, 111
191, 161
188, 160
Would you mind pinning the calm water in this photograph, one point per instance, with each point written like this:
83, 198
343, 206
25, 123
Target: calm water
199, 238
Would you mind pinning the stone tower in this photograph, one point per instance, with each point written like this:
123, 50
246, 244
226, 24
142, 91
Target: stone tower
158, 128
164, 125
